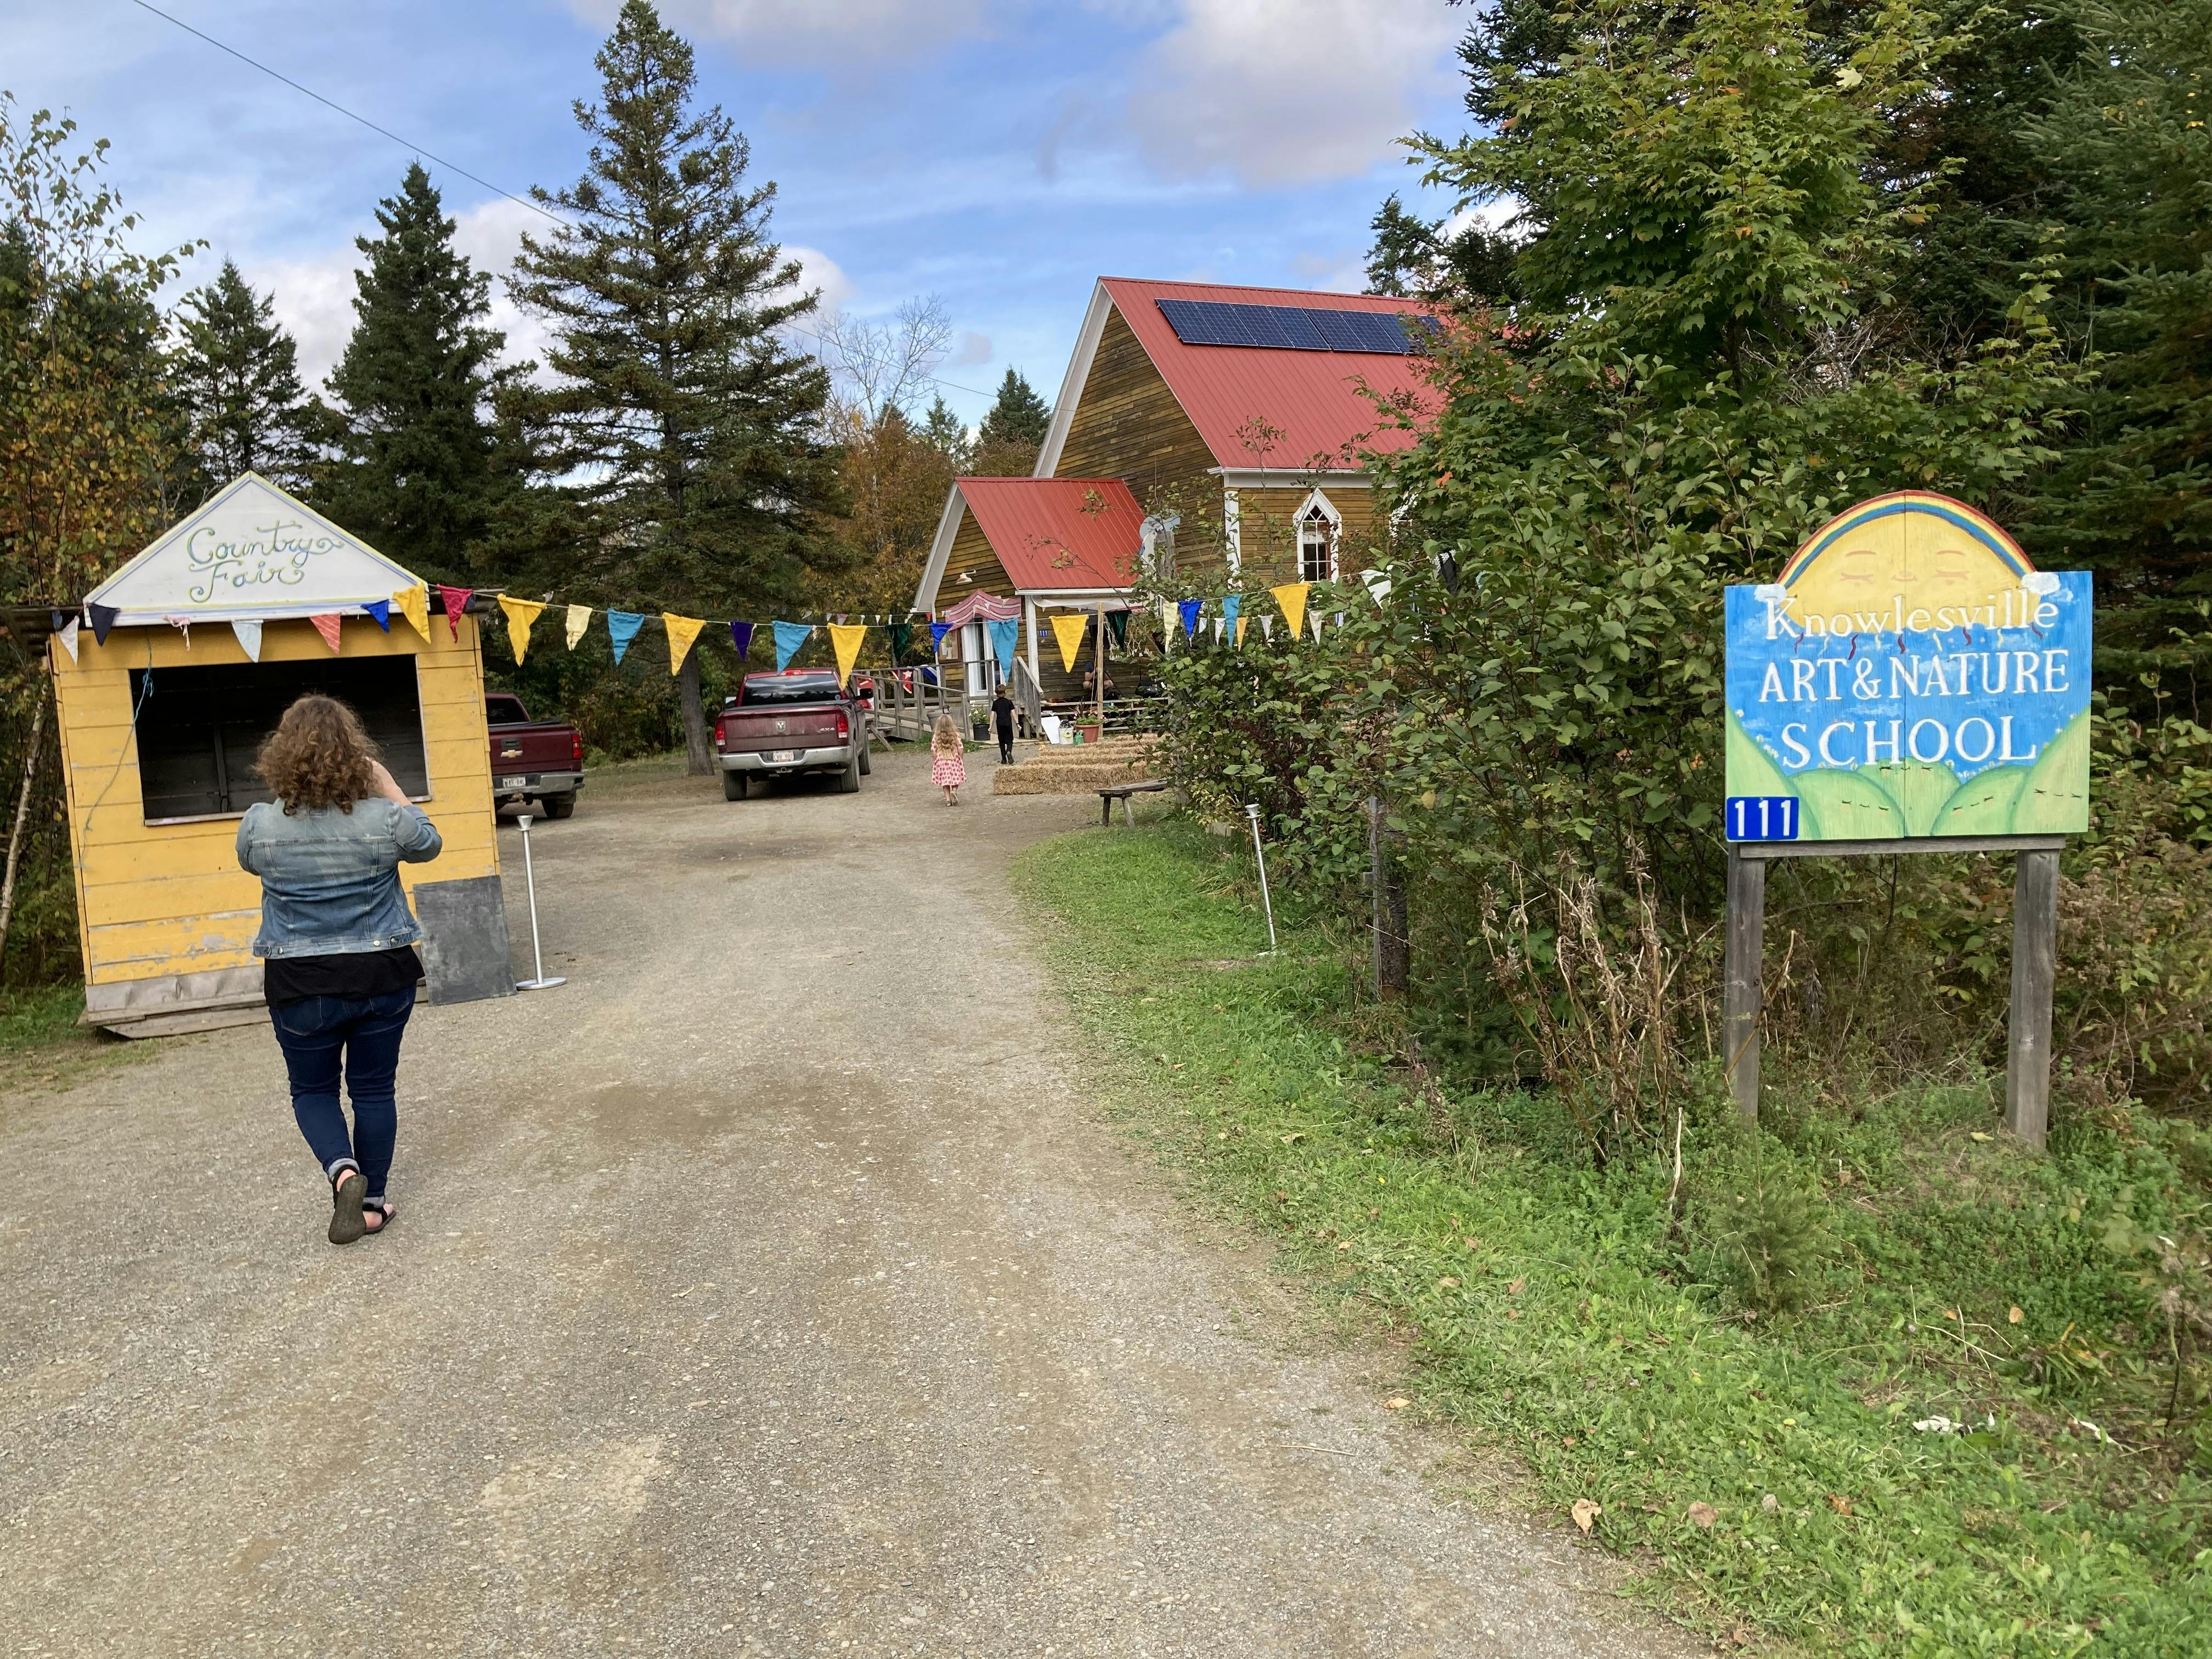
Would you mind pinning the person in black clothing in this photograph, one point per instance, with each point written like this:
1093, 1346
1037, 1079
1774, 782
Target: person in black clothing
1002, 716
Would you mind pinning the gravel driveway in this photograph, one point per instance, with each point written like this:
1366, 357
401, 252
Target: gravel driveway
768, 1289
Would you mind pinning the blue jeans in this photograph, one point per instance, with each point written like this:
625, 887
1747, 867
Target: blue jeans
364, 1033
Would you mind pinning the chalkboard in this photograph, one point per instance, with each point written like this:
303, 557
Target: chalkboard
465, 947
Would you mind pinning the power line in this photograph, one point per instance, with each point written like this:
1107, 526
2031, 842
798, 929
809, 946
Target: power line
349, 115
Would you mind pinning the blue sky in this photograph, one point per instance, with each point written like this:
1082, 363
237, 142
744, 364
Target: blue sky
997, 154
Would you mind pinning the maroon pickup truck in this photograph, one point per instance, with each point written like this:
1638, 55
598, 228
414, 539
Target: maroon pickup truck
798, 720
532, 760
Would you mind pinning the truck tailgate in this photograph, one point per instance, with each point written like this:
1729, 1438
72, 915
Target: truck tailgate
753, 730
540, 746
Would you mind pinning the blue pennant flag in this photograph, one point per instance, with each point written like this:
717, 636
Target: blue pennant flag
741, 635
936, 633
381, 609
789, 637
1006, 639
621, 629
1230, 606
1189, 611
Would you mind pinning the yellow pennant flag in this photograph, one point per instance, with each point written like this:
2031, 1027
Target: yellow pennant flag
681, 630
1068, 630
845, 640
413, 604
522, 614
1242, 623
1292, 596
580, 618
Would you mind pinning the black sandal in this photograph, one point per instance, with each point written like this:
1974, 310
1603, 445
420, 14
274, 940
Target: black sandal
382, 1208
346, 1194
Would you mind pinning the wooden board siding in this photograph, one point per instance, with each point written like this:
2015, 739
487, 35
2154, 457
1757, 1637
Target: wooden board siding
157, 900
1269, 535
1127, 425
972, 557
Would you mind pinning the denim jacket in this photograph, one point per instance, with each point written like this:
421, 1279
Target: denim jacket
330, 879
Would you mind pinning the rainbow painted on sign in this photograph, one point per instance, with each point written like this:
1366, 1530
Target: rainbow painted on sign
1911, 673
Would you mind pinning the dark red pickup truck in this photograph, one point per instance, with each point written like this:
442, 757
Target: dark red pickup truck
781, 725
532, 760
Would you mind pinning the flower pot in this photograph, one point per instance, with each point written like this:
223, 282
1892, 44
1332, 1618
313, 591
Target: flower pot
1093, 733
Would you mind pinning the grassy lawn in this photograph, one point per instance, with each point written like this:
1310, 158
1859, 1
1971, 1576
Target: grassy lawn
41, 1042
1765, 1471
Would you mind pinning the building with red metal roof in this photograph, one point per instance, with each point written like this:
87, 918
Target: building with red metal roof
1205, 436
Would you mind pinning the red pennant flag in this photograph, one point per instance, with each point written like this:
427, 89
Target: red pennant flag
327, 626
455, 600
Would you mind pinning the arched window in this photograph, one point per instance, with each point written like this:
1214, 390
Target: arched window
1317, 546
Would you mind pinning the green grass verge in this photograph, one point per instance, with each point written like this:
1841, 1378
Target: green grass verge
1766, 1470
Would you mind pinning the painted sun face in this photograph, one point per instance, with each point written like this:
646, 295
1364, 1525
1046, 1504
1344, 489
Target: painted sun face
1928, 549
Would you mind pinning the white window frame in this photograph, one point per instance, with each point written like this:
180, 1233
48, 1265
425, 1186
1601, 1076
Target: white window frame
1317, 503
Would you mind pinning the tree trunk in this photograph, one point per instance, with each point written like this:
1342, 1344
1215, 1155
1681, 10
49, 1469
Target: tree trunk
699, 753
31, 759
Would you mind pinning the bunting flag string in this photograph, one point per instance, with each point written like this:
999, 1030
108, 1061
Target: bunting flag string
380, 611
741, 635
1068, 630
1292, 596
580, 618
327, 625
902, 634
455, 599
938, 631
1119, 622
789, 637
66, 633
413, 604
681, 630
249, 638
1189, 608
1231, 621
845, 640
621, 629
102, 617
521, 617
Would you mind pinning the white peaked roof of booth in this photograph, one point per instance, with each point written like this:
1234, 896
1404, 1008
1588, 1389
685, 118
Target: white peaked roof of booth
251, 553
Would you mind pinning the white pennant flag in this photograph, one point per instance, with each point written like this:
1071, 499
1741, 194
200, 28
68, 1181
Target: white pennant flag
1319, 621
249, 638
1267, 628
67, 635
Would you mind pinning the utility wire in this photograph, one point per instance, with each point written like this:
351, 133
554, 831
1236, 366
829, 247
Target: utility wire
973, 392
349, 115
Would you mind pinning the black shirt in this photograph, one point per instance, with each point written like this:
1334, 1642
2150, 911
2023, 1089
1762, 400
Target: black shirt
1004, 710
355, 975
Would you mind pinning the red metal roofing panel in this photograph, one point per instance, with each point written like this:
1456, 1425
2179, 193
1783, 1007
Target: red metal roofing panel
1060, 533
1314, 398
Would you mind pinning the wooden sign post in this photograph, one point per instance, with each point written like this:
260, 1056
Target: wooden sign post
1910, 684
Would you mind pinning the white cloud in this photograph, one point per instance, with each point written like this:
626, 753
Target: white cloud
1286, 92
974, 349
817, 270
831, 32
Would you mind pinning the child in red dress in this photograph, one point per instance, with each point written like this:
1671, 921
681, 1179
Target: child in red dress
947, 770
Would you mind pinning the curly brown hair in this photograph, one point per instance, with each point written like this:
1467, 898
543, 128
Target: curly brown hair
319, 756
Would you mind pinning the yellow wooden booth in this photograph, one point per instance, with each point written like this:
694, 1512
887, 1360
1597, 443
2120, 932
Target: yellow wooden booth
209, 636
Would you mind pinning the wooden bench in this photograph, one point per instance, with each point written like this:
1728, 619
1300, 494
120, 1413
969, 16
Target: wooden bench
1122, 792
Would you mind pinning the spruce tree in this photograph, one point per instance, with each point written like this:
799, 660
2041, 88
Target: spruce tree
418, 467
236, 375
696, 432
1019, 416
944, 432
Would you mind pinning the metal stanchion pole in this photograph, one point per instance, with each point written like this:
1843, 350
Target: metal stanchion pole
1252, 811
536, 955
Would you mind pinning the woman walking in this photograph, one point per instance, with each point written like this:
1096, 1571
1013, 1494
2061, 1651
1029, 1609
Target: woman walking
337, 942
1002, 717
947, 770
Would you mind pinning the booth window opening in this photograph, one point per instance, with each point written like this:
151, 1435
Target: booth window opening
200, 729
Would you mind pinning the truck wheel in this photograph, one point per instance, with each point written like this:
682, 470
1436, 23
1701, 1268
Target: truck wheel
867, 761
734, 785
848, 781
561, 805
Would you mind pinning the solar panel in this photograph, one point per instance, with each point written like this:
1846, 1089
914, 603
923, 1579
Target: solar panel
1297, 328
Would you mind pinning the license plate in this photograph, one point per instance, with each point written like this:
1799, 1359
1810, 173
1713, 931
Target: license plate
513, 783
782, 755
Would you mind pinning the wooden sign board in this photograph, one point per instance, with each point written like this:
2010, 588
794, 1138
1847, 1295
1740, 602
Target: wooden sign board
1910, 682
